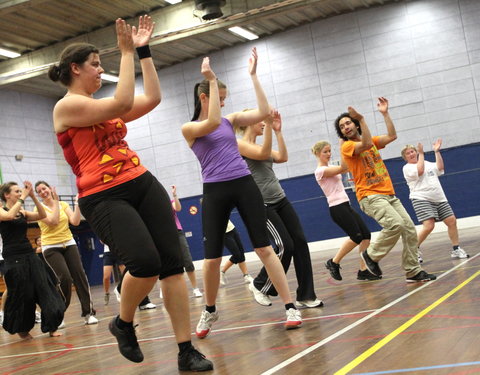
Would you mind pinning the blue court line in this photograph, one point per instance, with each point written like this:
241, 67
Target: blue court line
419, 368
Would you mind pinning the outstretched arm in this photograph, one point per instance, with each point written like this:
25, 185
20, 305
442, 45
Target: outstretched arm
391, 135
151, 96
254, 116
194, 129
366, 140
420, 160
438, 156
77, 110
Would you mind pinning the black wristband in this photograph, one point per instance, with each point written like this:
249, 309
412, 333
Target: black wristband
143, 52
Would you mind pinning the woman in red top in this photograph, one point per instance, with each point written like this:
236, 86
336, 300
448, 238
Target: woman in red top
124, 203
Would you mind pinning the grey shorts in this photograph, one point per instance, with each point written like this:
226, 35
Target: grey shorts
431, 210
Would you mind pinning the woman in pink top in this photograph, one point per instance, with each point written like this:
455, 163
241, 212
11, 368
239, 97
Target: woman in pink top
330, 180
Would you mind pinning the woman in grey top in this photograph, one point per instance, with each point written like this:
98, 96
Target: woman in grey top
283, 223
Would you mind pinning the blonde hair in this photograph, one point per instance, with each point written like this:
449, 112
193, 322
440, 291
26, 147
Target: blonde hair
405, 148
317, 147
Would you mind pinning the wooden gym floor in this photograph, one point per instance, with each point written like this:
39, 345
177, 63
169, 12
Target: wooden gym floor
381, 327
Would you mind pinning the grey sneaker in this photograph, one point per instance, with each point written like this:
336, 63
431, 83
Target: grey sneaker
205, 323
459, 254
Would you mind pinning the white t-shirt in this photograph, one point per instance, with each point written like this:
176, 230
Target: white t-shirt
332, 187
426, 187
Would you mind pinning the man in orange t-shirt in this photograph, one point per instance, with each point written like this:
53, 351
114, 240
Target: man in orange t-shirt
375, 192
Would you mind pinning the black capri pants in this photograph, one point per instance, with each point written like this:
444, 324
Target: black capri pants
219, 198
350, 221
135, 219
234, 244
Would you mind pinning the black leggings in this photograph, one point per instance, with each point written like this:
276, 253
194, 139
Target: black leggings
135, 219
219, 198
235, 246
350, 221
286, 233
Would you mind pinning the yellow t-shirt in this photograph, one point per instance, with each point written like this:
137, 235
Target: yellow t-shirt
59, 233
368, 169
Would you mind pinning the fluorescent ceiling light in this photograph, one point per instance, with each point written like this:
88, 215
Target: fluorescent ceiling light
7, 53
173, 1
109, 77
243, 32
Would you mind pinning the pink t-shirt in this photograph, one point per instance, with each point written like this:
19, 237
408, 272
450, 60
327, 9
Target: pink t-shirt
179, 225
332, 187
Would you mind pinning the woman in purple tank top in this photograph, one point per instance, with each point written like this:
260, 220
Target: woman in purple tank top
227, 183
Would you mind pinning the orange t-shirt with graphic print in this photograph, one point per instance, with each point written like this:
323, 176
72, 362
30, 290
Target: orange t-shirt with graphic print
99, 156
368, 169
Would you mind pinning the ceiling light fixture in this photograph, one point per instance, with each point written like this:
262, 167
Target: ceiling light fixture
243, 32
7, 53
173, 1
109, 77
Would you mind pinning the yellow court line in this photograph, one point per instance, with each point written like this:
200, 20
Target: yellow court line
403, 327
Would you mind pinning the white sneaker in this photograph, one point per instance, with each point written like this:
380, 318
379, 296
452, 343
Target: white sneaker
197, 293
205, 323
62, 325
38, 317
161, 293
261, 298
148, 306
294, 319
310, 303
117, 293
223, 278
247, 279
459, 253
89, 320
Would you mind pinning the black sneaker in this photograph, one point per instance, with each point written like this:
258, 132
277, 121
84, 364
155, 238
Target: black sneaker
334, 269
366, 275
372, 266
422, 276
192, 360
127, 341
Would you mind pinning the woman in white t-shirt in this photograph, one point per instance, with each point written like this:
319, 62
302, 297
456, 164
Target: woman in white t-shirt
330, 180
427, 196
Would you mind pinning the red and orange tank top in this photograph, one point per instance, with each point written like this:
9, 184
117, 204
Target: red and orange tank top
99, 156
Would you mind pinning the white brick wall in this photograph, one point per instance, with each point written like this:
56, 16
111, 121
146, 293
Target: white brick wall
423, 55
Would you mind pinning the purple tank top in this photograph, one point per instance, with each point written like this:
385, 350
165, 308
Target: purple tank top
218, 155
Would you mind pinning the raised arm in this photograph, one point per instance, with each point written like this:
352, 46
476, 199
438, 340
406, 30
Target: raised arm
280, 155
53, 218
40, 213
75, 216
254, 116
196, 129
366, 139
151, 96
438, 156
15, 209
79, 109
420, 160
177, 206
391, 135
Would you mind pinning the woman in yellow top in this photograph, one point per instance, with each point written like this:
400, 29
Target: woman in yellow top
60, 249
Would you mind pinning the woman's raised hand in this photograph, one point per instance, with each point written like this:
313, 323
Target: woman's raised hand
436, 146
420, 148
276, 120
141, 35
252, 62
54, 193
124, 36
207, 70
27, 190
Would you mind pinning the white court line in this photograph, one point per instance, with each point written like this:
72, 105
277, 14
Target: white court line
172, 336
357, 323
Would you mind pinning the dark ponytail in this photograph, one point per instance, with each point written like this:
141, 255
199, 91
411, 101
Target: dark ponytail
203, 88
